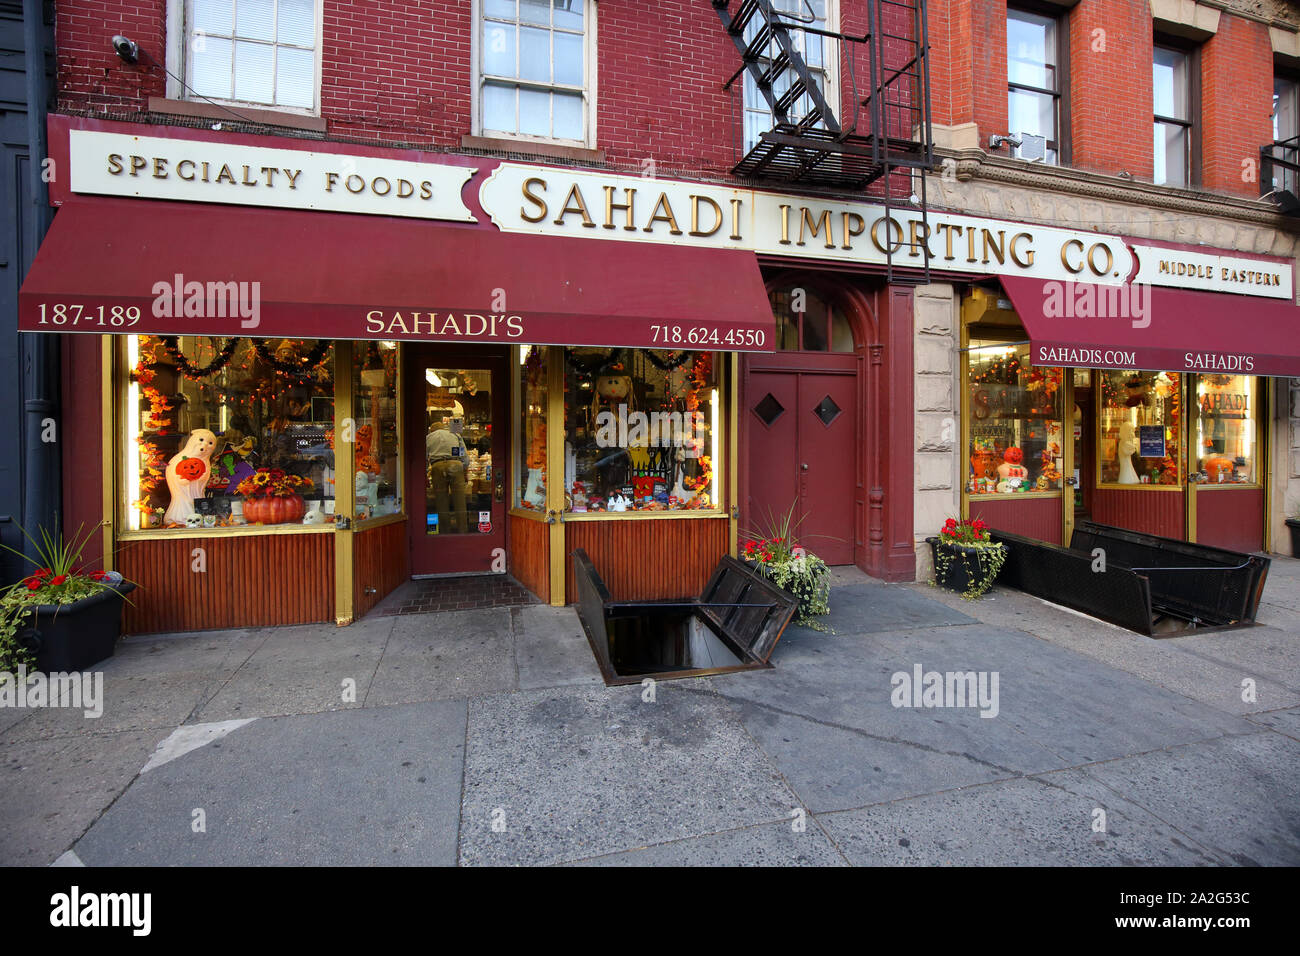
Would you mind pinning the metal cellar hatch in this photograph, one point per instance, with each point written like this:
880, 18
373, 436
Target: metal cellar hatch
733, 625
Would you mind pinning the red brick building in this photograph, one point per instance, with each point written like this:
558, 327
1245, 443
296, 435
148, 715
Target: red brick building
516, 215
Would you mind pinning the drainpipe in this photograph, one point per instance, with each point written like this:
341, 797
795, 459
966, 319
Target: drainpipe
39, 352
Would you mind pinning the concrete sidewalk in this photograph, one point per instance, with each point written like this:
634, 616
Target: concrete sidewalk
487, 737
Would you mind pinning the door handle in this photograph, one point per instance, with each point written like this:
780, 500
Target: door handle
500, 490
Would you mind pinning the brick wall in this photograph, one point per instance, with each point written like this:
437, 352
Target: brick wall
1236, 102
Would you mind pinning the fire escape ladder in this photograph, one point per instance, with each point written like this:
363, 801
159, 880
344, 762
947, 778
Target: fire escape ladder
881, 140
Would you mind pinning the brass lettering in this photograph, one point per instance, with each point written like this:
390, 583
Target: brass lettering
665, 216
629, 195
1075, 270
823, 222
735, 219
575, 203
851, 226
1027, 259
998, 247
695, 216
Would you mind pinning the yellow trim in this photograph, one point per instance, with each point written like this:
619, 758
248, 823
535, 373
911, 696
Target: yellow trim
1013, 495
555, 476
1115, 486
1265, 429
733, 450
526, 513
108, 448
378, 521
1216, 486
1067, 455
163, 534
625, 515
344, 489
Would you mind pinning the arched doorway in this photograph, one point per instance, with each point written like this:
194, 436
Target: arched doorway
803, 421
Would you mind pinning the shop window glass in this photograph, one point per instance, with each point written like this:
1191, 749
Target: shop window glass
1016, 436
641, 430
806, 322
1226, 445
206, 417
377, 464
1140, 424
530, 453
458, 449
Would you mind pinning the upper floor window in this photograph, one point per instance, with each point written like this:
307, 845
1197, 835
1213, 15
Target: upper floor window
817, 52
1033, 80
535, 69
1174, 130
805, 322
252, 51
1286, 129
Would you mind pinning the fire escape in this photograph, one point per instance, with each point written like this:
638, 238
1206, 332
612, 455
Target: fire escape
880, 141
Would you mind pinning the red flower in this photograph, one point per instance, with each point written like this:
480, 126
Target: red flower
43, 572
98, 575
59, 579
33, 584
978, 524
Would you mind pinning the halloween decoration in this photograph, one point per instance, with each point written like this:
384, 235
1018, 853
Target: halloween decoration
1011, 473
189, 485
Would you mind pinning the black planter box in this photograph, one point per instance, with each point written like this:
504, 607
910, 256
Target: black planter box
962, 572
74, 637
1294, 525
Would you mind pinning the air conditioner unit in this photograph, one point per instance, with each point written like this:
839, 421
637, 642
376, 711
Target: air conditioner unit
1032, 147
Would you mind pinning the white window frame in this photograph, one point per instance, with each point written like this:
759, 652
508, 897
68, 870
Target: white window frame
178, 65
588, 140
831, 93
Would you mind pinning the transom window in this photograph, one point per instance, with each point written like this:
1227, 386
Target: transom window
816, 52
1034, 86
533, 69
1172, 92
805, 322
252, 51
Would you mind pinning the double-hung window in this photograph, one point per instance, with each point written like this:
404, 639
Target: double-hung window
1172, 91
1033, 80
818, 54
1286, 129
263, 52
534, 69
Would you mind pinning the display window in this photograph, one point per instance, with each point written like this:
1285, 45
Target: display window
1225, 431
530, 439
377, 463
1140, 424
641, 430
1015, 433
223, 433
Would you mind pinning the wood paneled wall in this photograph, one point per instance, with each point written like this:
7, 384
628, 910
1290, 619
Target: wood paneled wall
250, 581
1038, 518
529, 552
1149, 510
1231, 518
380, 560
648, 559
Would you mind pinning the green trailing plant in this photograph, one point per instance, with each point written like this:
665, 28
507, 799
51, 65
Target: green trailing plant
777, 555
56, 580
974, 549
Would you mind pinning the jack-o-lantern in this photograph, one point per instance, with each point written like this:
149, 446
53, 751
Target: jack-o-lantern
191, 469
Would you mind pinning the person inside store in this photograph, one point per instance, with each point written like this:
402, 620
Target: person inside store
445, 451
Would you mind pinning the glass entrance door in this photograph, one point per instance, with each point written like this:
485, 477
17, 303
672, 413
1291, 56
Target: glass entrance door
458, 460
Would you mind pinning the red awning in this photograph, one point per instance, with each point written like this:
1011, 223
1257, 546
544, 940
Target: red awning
166, 268
1156, 329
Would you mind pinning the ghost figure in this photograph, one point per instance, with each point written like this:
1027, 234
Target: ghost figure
186, 479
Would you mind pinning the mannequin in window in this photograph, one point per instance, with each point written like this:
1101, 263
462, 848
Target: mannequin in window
1127, 447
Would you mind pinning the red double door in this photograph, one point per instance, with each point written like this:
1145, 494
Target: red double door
802, 429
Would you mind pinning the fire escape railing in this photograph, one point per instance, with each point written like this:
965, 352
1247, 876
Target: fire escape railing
880, 143
1279, 173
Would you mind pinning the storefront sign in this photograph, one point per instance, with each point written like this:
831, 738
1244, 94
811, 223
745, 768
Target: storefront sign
554, 202
115, 164
1185, 269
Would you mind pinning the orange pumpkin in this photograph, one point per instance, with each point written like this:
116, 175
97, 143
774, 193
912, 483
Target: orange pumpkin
191, 469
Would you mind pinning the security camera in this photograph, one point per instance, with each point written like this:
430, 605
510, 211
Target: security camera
126, 49
914, 199
996, 141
